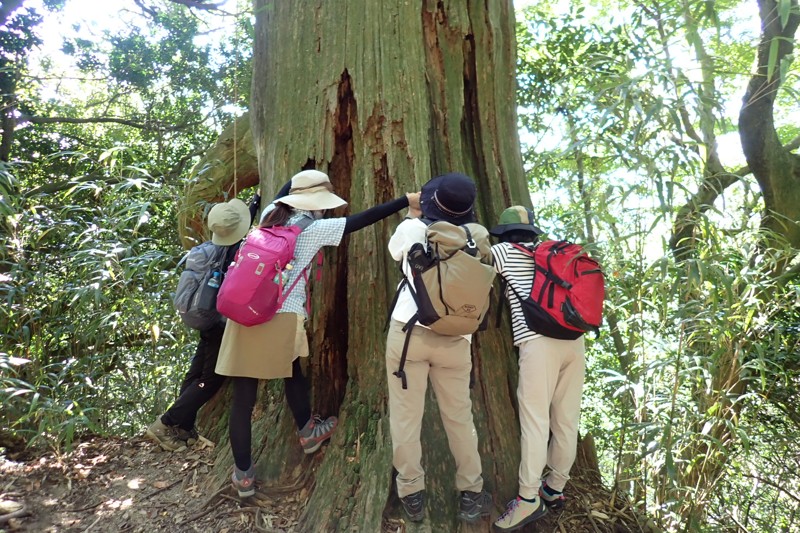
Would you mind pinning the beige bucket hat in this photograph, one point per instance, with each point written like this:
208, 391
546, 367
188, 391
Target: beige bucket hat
311, 191
229, 222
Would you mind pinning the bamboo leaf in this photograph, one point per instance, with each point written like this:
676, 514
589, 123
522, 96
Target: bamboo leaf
773, 58
784, 9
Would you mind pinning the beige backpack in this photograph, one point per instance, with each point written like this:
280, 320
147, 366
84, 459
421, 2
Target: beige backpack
451, 280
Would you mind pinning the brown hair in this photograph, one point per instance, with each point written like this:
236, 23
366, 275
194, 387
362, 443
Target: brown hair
278, 216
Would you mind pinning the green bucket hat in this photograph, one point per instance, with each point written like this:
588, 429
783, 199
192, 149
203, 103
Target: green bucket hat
516, 217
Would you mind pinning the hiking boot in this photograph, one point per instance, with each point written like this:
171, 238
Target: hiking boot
165, 436
474, 505
190, 436
519, 514
244, 482
414, 505
315, 432
554, 499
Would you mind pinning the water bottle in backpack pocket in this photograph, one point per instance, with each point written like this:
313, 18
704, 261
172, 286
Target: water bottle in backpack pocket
208, 294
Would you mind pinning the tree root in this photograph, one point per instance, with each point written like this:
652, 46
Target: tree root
19, 513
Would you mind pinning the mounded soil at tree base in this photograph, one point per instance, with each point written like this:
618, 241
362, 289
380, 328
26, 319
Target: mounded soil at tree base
109, 484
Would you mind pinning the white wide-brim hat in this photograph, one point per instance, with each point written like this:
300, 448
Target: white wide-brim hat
311, 191
229, 222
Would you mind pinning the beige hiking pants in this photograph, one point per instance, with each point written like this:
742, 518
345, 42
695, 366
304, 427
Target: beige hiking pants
551, 375
446, 360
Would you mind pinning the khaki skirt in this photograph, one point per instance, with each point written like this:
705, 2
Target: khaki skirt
265, 351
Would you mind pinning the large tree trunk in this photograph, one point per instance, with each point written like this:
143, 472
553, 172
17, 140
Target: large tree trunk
382, 96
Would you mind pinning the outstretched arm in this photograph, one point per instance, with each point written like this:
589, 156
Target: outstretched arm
379, 212
284, 190
254, 203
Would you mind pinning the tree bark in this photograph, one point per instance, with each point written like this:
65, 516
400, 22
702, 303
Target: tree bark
775, 168
776, 171
382, 96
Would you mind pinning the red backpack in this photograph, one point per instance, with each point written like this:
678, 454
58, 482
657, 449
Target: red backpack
254, 287
566, 298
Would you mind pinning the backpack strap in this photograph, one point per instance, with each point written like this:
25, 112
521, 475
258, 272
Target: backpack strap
404, 282
524, 249
471, 247
303, 223
471, 368
401, 373
500, 306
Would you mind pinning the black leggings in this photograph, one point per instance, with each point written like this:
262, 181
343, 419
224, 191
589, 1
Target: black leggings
245, 391
201, 382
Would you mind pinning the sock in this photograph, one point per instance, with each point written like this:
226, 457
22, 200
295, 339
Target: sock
550, 492
241, 474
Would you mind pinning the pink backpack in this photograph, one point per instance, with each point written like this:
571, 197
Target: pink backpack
253, 290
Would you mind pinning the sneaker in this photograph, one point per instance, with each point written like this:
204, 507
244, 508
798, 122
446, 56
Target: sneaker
315, 432
474, 505
165, 436
554, 499
519, 514
414, 505
244, 482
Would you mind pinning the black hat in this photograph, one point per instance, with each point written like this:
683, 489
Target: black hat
449, 197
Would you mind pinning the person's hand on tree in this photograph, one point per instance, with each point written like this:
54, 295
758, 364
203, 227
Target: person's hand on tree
414, 210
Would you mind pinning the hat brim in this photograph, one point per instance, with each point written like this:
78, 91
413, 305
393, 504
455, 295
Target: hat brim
241, 229
505, 228
312, 201
430, 211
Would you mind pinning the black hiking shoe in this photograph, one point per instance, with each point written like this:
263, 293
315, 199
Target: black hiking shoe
414, 505
474, 505
553, 499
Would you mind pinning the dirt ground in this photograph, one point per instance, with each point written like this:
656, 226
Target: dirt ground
110, 485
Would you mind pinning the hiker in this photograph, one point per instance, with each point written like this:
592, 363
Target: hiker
175, 429
445, 359
551, 373
273, 349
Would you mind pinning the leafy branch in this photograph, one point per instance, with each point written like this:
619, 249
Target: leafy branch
154, 126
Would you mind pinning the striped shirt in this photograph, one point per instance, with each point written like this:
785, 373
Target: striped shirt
517, 270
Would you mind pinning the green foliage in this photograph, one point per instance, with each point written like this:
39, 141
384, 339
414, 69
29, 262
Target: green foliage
87, 321
620, 110
691, 389
88, 208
